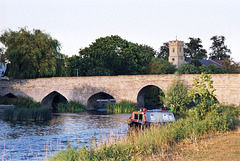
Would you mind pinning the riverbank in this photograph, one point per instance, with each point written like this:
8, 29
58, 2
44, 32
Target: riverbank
215, 147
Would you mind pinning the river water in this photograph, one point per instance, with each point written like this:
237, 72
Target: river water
40, 140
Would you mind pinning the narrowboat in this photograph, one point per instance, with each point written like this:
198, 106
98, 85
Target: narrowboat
148, 117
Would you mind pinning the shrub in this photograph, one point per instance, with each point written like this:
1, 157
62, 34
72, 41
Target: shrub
203, 95
177, 95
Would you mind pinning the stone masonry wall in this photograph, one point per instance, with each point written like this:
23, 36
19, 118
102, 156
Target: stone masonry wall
120, 87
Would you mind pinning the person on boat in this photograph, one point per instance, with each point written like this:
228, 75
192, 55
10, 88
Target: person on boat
172, 108
164, 107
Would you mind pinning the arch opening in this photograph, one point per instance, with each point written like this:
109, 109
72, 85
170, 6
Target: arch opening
99, 101
150, 97
10, 95
53, 99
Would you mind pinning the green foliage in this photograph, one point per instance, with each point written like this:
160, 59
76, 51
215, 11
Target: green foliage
27, 114
18, 102
214, 69
194, 49
155, 140
188, 68
164, 51
32, 54
122, 107
219, 49
195, 68
203, 95
160, 66
71, 106
177, 95
111, 55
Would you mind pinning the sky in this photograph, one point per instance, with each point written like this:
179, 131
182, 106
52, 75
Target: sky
78, 23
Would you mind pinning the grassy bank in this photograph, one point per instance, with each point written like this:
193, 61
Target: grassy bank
213, 147
157, 140
122, 107
71, 106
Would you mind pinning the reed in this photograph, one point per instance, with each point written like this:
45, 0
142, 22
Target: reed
71, 106
156, 140
27, 114
122, 107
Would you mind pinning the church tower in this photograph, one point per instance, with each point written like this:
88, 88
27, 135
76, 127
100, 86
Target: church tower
176, 54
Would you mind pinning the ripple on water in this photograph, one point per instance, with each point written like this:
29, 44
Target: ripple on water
35, 141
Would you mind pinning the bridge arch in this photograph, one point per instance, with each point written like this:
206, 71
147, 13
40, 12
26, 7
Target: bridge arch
99, 100
10, 95
53, 98
150, 91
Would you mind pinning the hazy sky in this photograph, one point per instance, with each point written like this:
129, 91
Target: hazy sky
78, 23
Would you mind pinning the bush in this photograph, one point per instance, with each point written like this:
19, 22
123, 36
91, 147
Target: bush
71, 106
177, 95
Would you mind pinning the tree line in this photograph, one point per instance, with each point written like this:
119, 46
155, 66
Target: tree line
35, 54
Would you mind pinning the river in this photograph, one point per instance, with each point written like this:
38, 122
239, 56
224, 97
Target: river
40, 140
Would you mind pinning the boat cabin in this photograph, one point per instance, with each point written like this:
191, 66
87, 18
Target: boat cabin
151, 116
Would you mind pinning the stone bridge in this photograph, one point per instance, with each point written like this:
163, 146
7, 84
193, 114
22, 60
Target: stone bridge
88, 90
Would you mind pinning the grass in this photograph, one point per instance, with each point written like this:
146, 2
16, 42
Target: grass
71, 106
122, 107
213, 147
157, 140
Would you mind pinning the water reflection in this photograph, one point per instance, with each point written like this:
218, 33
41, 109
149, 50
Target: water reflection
31, 140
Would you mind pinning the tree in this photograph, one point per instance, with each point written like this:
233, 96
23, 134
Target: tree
113, 55
203, 95
32, 54
214, 69
164, 51
177, 95
188, 68
160, 66
194, 49
219, 49
231, 66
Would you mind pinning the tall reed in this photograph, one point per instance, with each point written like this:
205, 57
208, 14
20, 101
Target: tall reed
71, 106
27, 114
122, 107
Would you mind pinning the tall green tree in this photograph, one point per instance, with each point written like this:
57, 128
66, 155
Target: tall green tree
164, 51
194, 49
203, 95
113, 55
31, 53
219, 49
160, 66
177, 95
